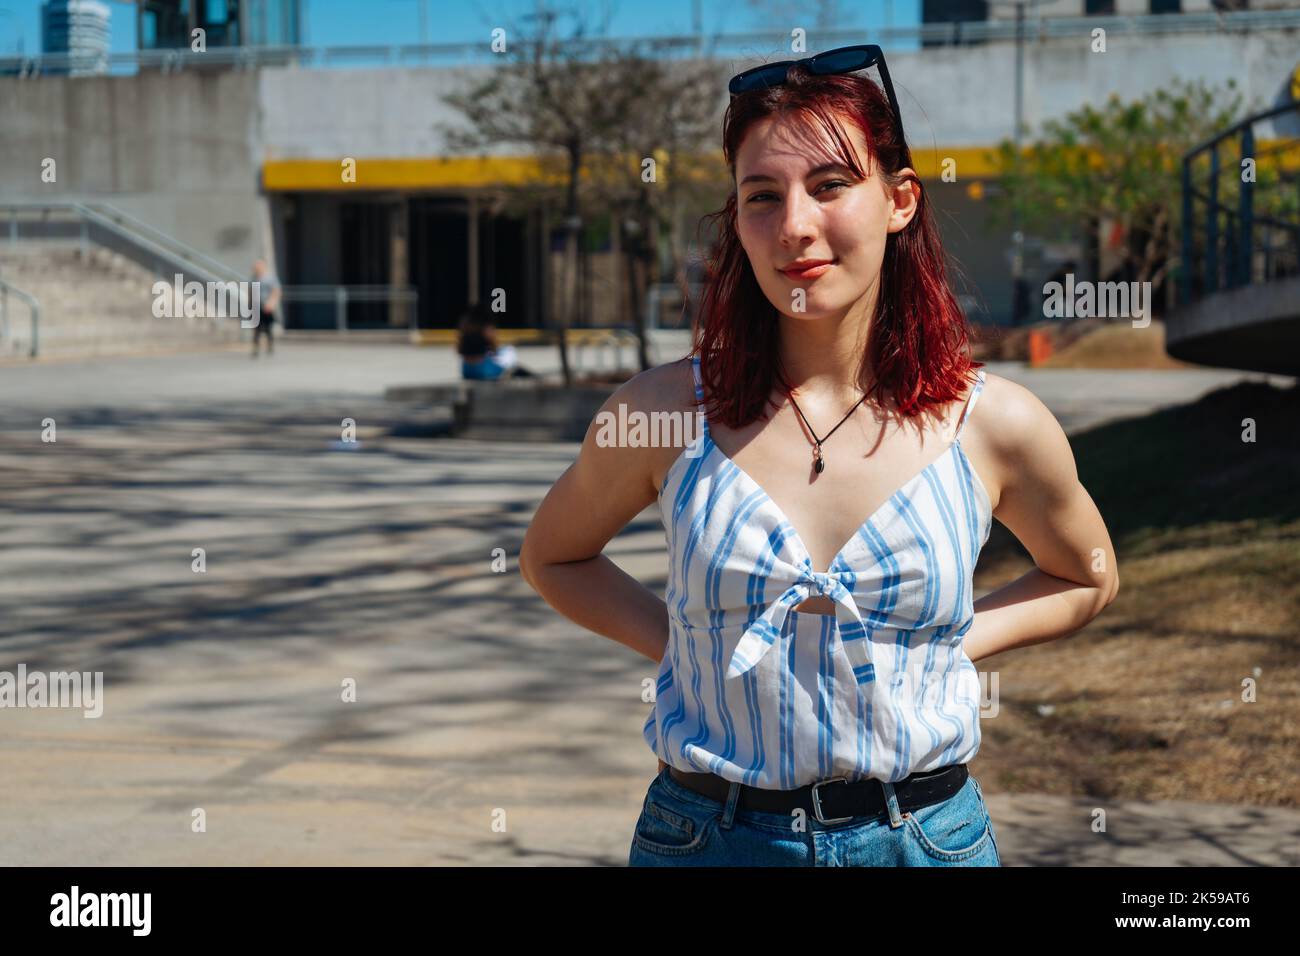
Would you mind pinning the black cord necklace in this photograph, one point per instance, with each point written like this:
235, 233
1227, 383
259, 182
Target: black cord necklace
819, 465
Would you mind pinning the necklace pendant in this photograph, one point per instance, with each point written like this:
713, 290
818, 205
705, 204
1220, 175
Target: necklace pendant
818, 465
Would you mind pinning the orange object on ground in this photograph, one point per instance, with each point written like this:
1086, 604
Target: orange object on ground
1040, 347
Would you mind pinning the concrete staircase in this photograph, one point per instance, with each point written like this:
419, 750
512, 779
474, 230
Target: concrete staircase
101, 304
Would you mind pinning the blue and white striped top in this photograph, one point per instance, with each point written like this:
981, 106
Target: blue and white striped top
767, 696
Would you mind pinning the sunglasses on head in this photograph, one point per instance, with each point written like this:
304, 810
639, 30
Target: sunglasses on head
845, 59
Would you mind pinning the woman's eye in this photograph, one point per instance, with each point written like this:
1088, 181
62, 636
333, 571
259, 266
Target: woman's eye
832, 182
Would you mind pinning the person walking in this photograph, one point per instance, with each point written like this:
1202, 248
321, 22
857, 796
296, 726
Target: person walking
269, 295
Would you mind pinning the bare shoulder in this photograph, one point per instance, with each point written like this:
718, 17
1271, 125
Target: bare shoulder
670, 388
1008, 413
665, 388
1016, 436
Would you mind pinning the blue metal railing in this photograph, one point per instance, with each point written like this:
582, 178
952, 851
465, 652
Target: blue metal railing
1227, 242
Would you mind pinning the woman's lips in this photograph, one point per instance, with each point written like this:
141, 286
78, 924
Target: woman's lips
812, 272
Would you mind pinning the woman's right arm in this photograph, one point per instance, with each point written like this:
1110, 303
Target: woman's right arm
595, 498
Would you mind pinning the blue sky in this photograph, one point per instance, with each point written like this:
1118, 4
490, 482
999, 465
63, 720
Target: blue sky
347, 22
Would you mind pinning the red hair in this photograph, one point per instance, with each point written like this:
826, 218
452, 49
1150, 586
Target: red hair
918, 345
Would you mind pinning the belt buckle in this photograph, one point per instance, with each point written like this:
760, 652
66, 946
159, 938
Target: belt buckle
817, 802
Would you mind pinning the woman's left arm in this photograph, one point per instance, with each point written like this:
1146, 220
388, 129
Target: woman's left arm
1042, 503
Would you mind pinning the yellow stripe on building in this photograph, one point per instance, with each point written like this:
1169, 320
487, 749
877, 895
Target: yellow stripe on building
282, 175
435, 172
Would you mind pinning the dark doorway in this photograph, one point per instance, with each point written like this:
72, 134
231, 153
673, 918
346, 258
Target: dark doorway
503, 264
439, 260
365, 250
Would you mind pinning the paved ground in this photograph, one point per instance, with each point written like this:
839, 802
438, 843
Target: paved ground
374, 565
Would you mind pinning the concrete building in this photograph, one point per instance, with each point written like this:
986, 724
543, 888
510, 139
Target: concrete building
242, 163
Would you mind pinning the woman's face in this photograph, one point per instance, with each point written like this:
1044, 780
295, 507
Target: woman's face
795, 201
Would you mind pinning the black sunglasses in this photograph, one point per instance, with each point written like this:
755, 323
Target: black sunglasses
845, 59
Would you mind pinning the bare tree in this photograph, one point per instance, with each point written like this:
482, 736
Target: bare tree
659, 163
593, 112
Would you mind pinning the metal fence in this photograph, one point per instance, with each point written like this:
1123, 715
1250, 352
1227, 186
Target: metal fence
351, 306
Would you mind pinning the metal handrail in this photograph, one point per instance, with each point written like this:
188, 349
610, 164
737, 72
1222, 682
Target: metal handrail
33, 310
156, 245
149, 244
961, 32
162, 238
1240, 224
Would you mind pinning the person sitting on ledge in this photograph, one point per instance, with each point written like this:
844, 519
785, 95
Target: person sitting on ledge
481, 358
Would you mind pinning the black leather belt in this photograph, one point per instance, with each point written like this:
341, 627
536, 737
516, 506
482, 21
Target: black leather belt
835, 799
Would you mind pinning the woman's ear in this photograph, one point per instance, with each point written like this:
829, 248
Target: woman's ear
905, 199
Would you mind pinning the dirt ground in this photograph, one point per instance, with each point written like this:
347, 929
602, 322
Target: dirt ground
1187, 686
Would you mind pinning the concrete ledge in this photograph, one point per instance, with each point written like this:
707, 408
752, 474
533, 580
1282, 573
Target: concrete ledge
444, 394
1256, 327
511, 410
575, 337
535, 412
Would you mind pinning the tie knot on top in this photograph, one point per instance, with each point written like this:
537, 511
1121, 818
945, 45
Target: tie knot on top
771, 625
827, 584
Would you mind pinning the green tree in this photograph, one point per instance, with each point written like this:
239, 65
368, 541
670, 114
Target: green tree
1122, 163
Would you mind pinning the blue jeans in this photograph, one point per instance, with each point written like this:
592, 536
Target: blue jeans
485, 371
679, 827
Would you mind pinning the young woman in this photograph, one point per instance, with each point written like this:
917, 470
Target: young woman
817, 701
